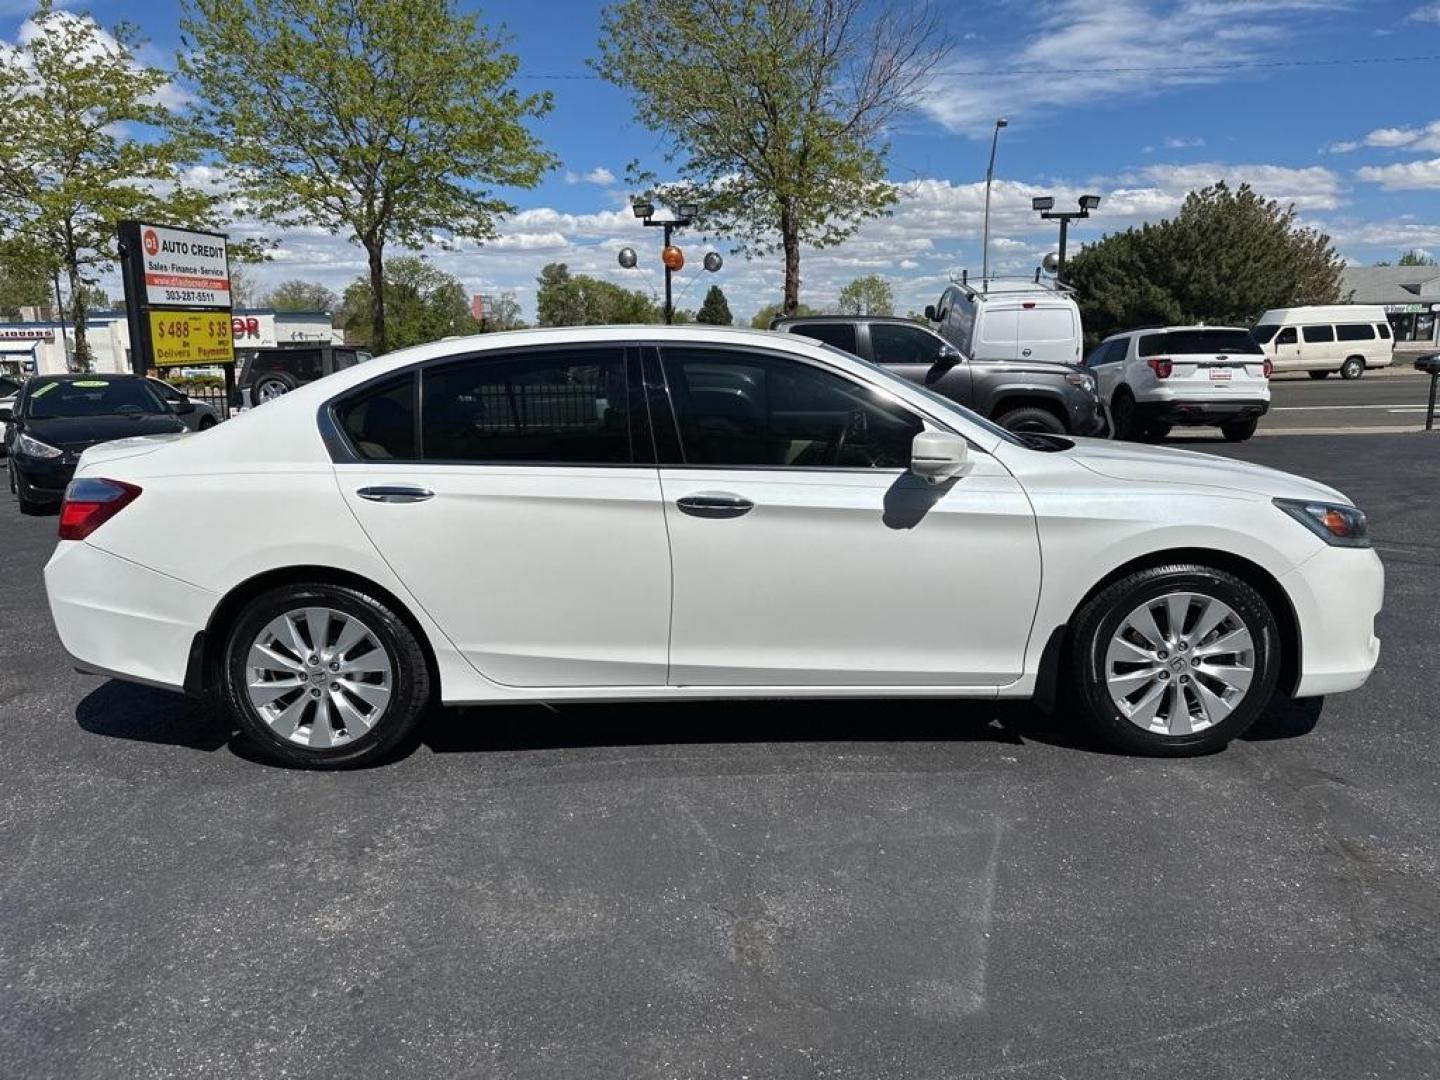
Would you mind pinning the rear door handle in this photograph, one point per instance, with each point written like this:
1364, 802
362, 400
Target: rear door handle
714, 504
395, 493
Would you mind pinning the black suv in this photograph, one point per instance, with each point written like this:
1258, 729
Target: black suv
1059, 399
263, 374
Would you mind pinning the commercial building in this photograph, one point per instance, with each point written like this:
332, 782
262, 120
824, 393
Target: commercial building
45, 347
1409, 294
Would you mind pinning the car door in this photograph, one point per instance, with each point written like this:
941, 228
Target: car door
518, 510
1318, 348
1047, 332
922, 356
1106, 363
805, 553
1287, 349
997, 331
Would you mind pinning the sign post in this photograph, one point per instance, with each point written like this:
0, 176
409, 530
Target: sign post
177, 298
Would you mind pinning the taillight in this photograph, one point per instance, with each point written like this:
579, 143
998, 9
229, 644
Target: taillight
1161, 365
1268, 367
89, 503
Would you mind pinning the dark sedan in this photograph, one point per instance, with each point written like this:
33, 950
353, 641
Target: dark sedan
56, 417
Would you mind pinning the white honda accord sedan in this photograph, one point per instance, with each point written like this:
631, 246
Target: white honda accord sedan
607, 513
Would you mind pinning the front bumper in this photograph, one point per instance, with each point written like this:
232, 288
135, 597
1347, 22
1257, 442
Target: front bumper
1087, 416
1196, 413
116, 617
1336, 594
43, 480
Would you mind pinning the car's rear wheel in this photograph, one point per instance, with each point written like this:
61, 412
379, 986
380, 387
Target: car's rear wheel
1317, 375
1032, 418
270, 387
324, 676
1239, 430
205, 424
1174, 660
1353, 368
1122, 416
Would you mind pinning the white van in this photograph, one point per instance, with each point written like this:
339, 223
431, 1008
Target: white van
1347, 338
1009, 320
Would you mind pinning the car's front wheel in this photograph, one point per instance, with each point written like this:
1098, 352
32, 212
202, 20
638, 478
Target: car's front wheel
324, 676
1032, 418
1174, 660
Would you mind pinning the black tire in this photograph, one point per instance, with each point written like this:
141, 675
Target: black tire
1353, 367
1122, 416
206, 423
1101, 617
1154, 432
408, 697
1032, 418
1317, 375
272, 384
1239, 430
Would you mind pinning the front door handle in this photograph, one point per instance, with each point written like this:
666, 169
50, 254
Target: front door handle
395, 493
714, 504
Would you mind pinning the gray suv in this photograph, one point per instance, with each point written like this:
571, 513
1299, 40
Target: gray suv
1020, 395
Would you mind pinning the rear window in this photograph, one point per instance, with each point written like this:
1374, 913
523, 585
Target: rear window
1317, 333
1188, 342
1046, 324
1264, 332
1355, 332
841, 335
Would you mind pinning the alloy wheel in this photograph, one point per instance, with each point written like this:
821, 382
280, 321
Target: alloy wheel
272, 389
318, 677
1180, 663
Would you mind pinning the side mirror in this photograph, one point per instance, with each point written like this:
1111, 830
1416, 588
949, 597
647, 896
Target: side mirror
948, 354
930, 312
938, 456
182, 408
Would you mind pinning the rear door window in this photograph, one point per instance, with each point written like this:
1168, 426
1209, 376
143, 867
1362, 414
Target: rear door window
380, 421
1355, 332
841, 335
1318, 334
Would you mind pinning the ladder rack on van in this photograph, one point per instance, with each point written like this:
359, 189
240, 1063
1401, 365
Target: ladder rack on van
1018, 283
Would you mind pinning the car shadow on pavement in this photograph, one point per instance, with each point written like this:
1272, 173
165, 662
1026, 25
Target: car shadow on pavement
121, 710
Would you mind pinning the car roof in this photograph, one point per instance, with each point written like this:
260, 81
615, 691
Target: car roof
1167, 329
88, 376
791, 319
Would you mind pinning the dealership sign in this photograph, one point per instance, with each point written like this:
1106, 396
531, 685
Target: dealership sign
183, 267
190, 337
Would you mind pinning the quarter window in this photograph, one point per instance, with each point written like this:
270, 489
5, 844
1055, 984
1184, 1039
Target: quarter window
1318, 333
380, 421
750, 410
1384, 329
555, 407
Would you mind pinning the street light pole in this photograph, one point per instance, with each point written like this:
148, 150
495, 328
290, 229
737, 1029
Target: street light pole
672, 257
989, 178
669, 303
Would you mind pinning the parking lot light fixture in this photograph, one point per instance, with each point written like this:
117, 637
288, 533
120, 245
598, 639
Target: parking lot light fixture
670, 255
643, 208
1089, 202
1042, 203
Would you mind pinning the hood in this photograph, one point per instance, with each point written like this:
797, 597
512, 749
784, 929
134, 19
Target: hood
77, 433
1163, 464
1049, 368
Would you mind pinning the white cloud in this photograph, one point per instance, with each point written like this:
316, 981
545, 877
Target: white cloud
1419, 139
1403, 176
1343, 147
1183, 142
598, 175
1312, 188
1426, 13
171, 95
1083, 52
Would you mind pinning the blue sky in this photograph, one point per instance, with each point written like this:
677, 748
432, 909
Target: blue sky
1356, 146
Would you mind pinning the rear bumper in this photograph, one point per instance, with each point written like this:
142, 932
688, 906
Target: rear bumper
1183, 413
1336, 594
118, 618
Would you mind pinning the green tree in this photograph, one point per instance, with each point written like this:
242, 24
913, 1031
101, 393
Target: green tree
775, 110
566, 299
298, 295
1416, 257
386, 120
422, 304
770, 312
1225, 257
502, 313
715, 310
71, 160
24, 282
868, 295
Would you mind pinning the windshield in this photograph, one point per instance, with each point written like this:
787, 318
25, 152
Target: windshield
71, 398
1264, 332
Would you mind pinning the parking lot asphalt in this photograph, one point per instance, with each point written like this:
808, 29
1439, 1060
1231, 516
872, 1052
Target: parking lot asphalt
876, 889
1388, 399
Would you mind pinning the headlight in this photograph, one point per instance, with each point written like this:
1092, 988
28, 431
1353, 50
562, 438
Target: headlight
1335, 523
32, 447
1076, 378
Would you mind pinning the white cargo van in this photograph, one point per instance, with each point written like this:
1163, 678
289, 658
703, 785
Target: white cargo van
1009, 319
1347, 338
